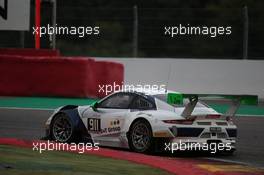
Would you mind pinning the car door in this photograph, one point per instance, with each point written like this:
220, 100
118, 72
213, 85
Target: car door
106, 122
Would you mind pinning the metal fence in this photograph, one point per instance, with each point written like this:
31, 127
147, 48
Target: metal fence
139, 32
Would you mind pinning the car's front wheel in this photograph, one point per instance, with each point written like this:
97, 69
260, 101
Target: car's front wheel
62, 129
140, 136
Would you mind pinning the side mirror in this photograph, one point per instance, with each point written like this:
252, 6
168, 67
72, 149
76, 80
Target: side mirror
94, 106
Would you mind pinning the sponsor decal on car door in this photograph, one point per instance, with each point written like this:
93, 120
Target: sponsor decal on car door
105, 121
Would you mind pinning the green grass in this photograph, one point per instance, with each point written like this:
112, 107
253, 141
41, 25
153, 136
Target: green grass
26, 161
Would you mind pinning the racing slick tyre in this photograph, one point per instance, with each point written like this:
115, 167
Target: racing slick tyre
62, 129
140, 137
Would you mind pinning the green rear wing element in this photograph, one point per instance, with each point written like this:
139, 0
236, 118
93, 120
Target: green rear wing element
237, 100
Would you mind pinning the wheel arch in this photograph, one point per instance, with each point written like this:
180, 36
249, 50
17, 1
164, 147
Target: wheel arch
137, 119
149, 149
64, 109
72, 112
68, 107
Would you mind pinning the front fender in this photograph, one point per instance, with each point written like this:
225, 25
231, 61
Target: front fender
56, 111
72, 112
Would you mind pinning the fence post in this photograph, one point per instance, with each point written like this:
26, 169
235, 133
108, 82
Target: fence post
245, 37
54, 21
135, 32
37, 23
22, 39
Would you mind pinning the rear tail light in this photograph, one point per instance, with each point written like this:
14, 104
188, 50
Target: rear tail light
181, 122
212, 116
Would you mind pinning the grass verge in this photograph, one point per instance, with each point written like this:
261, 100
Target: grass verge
14, 160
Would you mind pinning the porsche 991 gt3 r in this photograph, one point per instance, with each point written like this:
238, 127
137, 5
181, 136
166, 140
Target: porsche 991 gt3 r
144, 121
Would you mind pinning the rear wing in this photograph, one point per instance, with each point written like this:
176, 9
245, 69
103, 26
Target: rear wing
236, 101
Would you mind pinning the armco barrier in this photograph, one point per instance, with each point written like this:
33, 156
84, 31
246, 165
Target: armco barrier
107, 74
29, 52
66, 77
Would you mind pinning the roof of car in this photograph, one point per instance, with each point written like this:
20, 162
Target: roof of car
149, 91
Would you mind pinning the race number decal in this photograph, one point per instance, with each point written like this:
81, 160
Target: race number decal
94, 124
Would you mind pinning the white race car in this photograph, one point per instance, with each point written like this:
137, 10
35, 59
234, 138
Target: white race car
146, 121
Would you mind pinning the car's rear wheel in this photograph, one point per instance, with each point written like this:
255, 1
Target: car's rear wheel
140, 136
62, 129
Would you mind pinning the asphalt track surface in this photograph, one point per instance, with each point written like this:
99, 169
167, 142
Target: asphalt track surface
29, 124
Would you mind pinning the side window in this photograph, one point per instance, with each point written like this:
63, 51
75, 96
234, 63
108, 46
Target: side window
118, 101
141, 103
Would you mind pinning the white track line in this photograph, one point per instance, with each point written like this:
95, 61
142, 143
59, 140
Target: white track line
20, 108
247, 115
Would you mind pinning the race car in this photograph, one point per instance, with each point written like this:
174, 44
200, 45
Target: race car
147, 121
